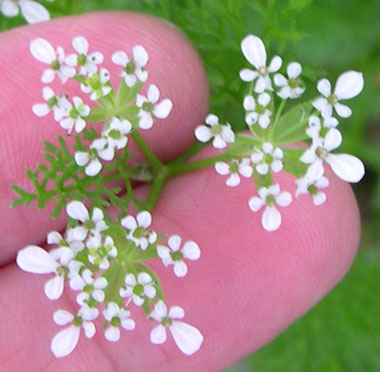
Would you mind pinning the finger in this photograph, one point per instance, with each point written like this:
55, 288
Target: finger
247, 286
174, 66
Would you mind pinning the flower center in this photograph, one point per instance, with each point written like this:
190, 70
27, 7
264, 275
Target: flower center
138, 289
234, 167
260, 109
293, 83
268, 158
332, 99
82, 59
216, 129
55, 65
77, 321
313, 190
177, 256
263, 71
147, 106
89, 225
115, 321
62, 271
52, 102
166, 322
73, 113
270, 200
114, 134
130, 68
140, 232
89, 288
321, 152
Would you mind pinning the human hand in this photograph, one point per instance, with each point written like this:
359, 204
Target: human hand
248, 285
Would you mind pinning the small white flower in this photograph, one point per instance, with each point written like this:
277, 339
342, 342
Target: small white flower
138, 289
114, 137
97, 84
234, 168
31, 10
291, 87
270, 196
306, 185
117, 317
138, 229
175, 256
89, 286
54, 237
187, 338
254, 51
348, 85
86, 62
43, 51
75, 116
90, 159
36, 260
222, 134
64, 342
257, 112
150, 107
134, 68
347, 167
100, 253
94, 225
319, 129
58, 104
268, 157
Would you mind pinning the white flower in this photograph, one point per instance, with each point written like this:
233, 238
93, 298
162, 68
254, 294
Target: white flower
233, 169
270, 196
75, 116
54, 237
175, 256
138, 229
117, 317
90, 159
89, 286
36, 260
31, 10
317, 129
306, 185
269, 156
254, 51
138, 289
290, 88
347, 167
150, 107
348, 85
133, 68
187, 337
64, 342
58, 104
114, 137
43, 51
93, 225
86, 62
257, 112
97, 84
222, 134
99, 254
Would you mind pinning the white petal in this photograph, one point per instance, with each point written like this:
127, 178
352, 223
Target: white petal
342, 110
180, 268
65, 341
146, 121
319, 198
248, 75
54, 237
233, 180
150, 291
315, 170
80, 44
349, 85
294, 69
42, 50
187, 337
347, 167
140, 55
158, 335
246, 170
320, 104
203, 133
264, 99
9, 8
261, 85
77, 283
324, 87
176, 312
40, 109
227, 134
77, 211
332, 140
280, 80
81, 158
112, 334
62, 317
36, 260
262, 168
222, 168
54, 287
128, 324
48, 76
174, 242
144, 219
162, 110
120, 58
33, 12
89, 329
161, 309
212, 119
153, 93
271, 219
129, 223
276, 166
264, 121
249, 103
309, 156
191, 251
284, 199
275, 64
93, 168
255, 203
254, 51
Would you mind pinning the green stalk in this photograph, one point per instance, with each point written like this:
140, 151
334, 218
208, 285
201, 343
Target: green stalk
276, 119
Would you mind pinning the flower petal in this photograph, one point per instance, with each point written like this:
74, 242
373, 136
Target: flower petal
62, 317
36, 260
324, 87
162, 110
191, 250
347, 167
254, 51
248, 75
203, 133
120, 58
158, 335
255, 203
77, 211
187, 337
349, 85
112, 334
275, 64
342, 110
180, 269
294, 69
9, 8
42, 50
144, 219
64, 342
54, 287
140, 55
80, 44
271, 219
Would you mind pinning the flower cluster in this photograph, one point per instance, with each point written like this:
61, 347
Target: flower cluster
268, 152
32, 11
90, 258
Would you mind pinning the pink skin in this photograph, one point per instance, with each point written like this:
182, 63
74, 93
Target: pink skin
249, 284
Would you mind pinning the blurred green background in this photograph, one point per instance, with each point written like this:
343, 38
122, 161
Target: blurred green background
328, 37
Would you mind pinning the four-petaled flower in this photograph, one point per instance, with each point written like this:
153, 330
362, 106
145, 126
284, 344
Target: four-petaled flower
269, 156
100, 253
75, 116
187, 338
291, 87
97, 84
134, 68
175, 255
306, 185
138, 289
58, 104
348, 85
222, 134
117, 317
254, 51
64, 342
234, 168
270, 196
257, 112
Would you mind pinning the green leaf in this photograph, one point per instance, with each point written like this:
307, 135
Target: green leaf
127, 94
292, 125
97, 114
292, 164
261, 180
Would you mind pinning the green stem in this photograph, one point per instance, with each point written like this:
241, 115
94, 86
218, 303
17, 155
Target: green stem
276, 119
147, 152
155, 190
